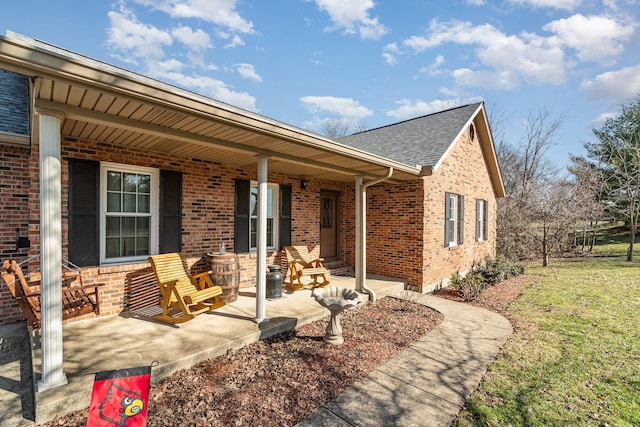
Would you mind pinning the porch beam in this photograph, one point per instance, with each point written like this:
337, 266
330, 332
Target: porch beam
110, 120
50, 250
261, 249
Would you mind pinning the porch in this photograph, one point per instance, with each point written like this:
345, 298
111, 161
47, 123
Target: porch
130, 340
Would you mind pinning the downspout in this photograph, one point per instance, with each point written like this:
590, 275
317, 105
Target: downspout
361, 232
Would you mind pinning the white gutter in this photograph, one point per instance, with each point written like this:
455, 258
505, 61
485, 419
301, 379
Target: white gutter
361, 232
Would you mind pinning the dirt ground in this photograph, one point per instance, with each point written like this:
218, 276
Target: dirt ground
282, 380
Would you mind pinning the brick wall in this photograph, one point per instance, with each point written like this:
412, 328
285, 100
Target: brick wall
405, 234
14, 216
208, 217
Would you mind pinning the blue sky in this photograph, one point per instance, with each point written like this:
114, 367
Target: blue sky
372, 62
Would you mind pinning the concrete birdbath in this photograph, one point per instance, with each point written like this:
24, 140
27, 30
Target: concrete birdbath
336, 300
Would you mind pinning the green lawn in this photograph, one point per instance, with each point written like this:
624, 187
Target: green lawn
574, 356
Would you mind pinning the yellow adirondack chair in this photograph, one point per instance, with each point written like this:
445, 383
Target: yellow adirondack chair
300, 265
192, 295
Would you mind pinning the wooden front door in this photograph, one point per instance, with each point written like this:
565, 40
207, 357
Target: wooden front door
329, 202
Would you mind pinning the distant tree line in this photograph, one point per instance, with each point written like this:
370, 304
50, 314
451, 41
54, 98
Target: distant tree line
544, 207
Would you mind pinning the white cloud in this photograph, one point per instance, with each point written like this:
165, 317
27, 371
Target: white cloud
434, 68
128, 35
208, 86
511, 58
599, 121
616, 86
409, 108
196, 41
248, 71
556, 4
218, 12
236, 40
352, 16
390, 52
346, 108
595, 38
476, 2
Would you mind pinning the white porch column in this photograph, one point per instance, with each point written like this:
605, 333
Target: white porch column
261, 250
51, 250
361, 235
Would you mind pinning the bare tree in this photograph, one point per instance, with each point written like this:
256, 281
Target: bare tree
337, 128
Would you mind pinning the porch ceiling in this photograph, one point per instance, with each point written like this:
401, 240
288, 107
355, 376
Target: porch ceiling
107, 104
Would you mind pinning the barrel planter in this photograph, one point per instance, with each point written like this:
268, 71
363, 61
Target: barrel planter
225, 272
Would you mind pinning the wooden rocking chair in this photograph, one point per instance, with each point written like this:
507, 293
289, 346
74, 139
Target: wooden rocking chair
301, 264
76, 299
192, 295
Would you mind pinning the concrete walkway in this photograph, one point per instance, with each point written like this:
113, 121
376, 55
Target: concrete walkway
427, 383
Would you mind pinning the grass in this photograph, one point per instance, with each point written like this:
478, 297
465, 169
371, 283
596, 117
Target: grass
574, 356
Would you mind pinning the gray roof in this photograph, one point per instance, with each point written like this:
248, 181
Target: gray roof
421, 141
14, 103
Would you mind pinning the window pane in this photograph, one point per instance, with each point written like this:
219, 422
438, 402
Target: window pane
114, 180
142, 227
144, 184
113, 247
129, 203
128, 246
253, 235
253, 201
130, 182
142, 246
144, 203
128, 226
113, 226
113, 202
270, 232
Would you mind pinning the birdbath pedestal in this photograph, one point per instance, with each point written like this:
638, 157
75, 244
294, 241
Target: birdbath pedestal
336, 300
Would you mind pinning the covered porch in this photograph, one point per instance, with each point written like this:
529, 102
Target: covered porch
135, 339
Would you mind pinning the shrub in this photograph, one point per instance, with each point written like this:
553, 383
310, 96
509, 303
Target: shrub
499, 269
469, 286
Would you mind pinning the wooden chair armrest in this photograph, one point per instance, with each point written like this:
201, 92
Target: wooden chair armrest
95, 287
204, 273
30, 295
203, 279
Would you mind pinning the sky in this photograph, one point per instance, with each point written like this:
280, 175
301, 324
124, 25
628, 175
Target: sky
368, 62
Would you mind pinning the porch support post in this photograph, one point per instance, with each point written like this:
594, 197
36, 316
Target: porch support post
50, 250
361, 235
261, 249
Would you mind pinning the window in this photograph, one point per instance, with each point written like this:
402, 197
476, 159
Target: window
481, 220
272, 215
130, 215
454, 220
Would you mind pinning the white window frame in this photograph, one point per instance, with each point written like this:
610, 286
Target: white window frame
154, 208
482, 221
453, 217
275, 209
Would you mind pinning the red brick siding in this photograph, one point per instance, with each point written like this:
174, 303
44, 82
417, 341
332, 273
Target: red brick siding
14, 193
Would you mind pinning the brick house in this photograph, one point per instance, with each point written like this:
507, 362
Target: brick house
103, 167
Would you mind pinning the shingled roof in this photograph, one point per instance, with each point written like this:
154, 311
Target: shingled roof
422, 141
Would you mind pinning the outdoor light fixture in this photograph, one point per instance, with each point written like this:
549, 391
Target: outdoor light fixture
303, 184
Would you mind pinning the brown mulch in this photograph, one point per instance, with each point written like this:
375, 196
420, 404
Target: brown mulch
282, 380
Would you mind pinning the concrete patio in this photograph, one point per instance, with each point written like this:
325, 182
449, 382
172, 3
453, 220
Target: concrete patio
137, 339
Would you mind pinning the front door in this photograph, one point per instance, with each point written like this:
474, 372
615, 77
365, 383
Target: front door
329, 202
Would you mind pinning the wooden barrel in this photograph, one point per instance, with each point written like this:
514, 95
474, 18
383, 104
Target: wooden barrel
225, 272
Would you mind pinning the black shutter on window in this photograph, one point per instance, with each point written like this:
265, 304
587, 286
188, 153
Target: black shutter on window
461, 221
285, 216
84, 194
447, 218
170, 211
242, 207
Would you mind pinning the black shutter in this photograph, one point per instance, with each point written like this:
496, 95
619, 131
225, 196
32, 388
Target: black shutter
285, 216
461, 220
170, 211
447, 225
478, 224
84, 191
242, 206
